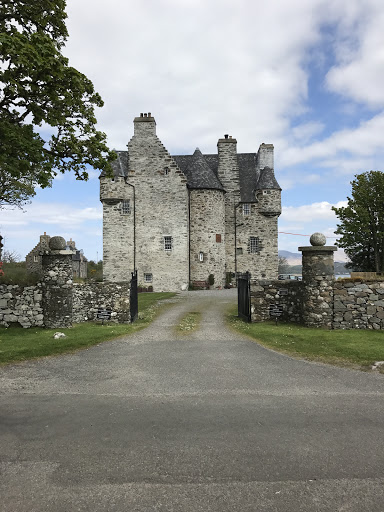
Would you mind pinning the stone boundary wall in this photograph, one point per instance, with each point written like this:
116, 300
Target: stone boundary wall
21, 305
358, 305
89, 297
352, 305
25, 305
287, 294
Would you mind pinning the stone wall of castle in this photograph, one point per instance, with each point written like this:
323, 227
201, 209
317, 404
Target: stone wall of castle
260, 256
162, 217
118, 229
207, 236
228, 173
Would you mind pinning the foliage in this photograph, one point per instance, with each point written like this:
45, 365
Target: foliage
18, 344
283, 265
16, 273
47, 118
362, 223
95, 270
355, 347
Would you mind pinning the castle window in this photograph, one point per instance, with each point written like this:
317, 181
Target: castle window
35, 258
246, 209
201, 256
125, 207
166, 171
148, 278
266, 192
218, 239
168, 242
254, 245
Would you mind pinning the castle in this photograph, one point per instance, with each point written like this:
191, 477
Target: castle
180, 219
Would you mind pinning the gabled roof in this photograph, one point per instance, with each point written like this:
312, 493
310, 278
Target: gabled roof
197, 171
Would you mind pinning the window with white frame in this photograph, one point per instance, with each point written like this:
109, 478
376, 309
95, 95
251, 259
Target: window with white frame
266, 192
168, 242
246, 209
125, 207
254, 245
36, 258
148, 278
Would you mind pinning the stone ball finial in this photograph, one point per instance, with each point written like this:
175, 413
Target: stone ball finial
318, 239
57, 243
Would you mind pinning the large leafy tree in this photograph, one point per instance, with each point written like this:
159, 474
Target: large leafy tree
47, 108
362, 223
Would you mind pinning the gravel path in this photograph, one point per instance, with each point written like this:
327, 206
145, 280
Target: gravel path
208, 421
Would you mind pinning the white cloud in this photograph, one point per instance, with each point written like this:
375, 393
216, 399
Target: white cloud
359, 73
310, 212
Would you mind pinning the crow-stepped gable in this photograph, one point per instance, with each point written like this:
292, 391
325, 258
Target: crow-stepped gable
178, 219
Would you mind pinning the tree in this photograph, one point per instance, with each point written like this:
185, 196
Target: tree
40, 92
362, 223
10, 256
283, 265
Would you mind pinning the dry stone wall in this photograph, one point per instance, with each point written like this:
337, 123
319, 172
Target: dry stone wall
286, 295
90, 297
358, 305
21, 305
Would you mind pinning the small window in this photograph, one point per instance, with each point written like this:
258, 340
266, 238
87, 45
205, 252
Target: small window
148, 278
218, 239
254, 245
36, 258
166, 171
239, 250
125, 207
246, 209
168, 243
266, 192
201, 256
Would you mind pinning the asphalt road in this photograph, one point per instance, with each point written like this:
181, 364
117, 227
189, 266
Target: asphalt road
205, 422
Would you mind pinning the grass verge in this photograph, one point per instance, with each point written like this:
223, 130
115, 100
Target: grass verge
18, 344
189, 323
353, 348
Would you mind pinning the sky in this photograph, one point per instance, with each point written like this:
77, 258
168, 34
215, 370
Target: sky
306, 76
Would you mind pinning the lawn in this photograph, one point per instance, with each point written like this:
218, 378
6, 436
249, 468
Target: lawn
18, 344
354, 348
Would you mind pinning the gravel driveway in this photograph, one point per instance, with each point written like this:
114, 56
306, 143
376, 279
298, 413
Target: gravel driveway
209, 421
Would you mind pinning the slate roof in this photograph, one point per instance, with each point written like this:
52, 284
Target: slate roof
197, 171
201, 172
120, 165
267, 179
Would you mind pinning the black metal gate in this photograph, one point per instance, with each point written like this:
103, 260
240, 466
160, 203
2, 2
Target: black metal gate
244, 296
134, 306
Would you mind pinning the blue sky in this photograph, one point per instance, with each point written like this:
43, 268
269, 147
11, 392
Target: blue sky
305, 76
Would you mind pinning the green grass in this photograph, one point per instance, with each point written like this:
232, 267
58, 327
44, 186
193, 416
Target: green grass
18, 344
353, 348
189, 323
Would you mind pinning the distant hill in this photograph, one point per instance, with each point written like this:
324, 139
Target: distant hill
294, 263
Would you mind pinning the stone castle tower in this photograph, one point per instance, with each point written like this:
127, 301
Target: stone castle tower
178, 219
